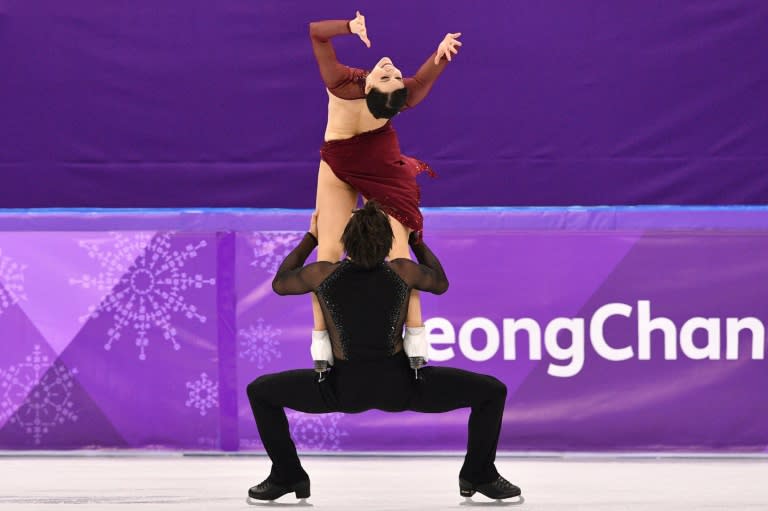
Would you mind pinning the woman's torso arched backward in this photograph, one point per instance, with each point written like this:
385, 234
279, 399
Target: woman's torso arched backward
336, 199
348, 116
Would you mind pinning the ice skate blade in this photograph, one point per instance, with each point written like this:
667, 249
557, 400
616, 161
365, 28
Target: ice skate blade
274, 503
514, 501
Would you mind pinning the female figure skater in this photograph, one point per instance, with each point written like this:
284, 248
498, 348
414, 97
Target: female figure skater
361, 154
364, 300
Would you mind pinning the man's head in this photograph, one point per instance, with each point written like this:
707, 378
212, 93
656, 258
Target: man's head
385, 93
367, 238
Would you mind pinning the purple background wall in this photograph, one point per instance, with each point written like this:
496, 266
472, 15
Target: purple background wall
198, 103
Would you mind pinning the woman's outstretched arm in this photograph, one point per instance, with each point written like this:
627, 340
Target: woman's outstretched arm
337, 77
419, 84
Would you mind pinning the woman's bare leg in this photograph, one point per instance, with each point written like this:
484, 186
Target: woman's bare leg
400, 249
335, 202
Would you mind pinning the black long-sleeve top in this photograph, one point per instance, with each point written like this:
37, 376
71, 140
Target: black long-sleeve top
364, 308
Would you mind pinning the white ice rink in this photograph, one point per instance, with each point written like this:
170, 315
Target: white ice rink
176, 482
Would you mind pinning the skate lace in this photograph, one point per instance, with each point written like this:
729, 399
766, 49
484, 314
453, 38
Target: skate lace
504, 484
265, 484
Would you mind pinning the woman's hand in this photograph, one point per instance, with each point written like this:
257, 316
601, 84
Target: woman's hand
313, 224
357, 26
448, 46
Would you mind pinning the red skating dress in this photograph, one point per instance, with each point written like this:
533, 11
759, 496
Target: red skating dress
371, 162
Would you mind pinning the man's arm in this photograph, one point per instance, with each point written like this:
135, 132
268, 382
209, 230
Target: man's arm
419, 84
432, 278
291, 277
428, 275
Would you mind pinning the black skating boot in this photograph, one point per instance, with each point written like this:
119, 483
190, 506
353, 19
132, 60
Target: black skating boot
500, 488
270, 490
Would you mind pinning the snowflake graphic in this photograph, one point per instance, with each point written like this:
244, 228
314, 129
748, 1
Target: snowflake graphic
44, 392
11, 282
203, 394
146, 291
18, 381
319, 432
258, 343
271, 247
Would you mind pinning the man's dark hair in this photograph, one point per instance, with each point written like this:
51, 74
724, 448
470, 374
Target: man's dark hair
386, 105
368, 236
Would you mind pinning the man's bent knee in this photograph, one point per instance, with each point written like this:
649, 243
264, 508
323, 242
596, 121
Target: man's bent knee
258, 389
497, 388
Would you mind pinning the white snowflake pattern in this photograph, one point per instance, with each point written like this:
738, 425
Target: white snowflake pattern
11, 282
36, 395
259, 343
19, 380
203, 394
145, 291
271, 247
320, 432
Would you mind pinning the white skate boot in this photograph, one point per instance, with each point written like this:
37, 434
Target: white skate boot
416, 347
322, 352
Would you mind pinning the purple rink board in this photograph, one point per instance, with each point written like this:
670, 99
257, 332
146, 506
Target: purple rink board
615, 329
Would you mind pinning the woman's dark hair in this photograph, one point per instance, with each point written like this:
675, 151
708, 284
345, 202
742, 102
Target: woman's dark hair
386, 105
368, 236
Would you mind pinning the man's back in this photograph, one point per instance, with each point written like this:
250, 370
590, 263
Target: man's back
364, 310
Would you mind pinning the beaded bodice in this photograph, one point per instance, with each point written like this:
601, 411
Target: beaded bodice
364, 310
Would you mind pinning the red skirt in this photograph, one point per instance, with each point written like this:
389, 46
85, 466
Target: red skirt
372, 164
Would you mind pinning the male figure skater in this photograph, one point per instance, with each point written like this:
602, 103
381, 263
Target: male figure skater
364, 299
